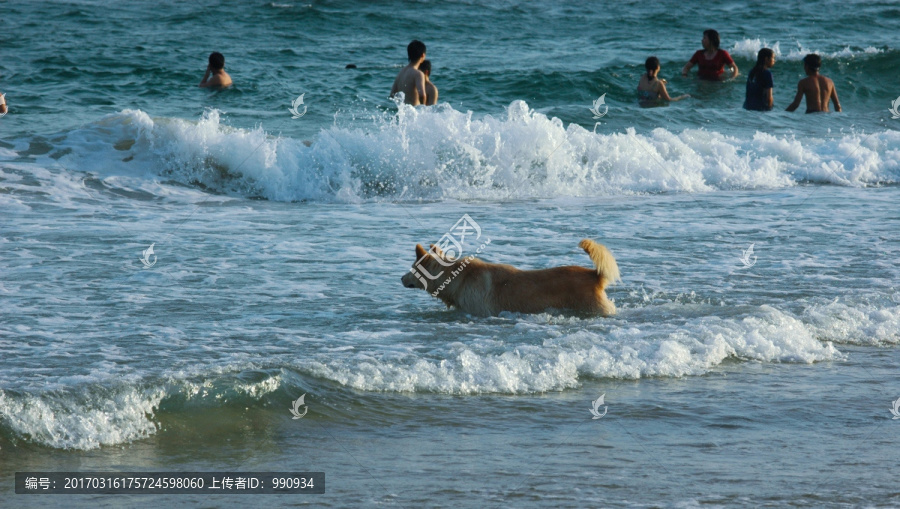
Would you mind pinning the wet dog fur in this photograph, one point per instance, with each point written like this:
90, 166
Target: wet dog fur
485, 289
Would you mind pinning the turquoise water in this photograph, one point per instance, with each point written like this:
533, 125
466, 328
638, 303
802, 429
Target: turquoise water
102, 58
732, 378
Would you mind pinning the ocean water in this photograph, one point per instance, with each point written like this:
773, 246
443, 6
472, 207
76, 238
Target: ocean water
754, 358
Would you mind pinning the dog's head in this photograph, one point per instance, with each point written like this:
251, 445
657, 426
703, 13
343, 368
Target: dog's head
429, 269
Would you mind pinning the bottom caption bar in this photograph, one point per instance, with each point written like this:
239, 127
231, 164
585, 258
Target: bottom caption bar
169, 483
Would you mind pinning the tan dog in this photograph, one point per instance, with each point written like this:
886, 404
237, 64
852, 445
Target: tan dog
481, 288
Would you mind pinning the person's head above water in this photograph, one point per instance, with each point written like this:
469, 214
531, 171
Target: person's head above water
425, 67
712, 37
652, 66
764, 58
415, 50
812, 63
764, 55
216, 61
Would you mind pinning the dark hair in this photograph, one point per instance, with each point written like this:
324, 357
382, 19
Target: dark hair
812, 61
216, 60
762, 58
415, 50
425, 66
713, 37
651, 64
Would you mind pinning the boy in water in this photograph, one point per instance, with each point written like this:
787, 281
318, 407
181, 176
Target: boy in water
651, 89
215, 76
817, 89
410, 80
431, 91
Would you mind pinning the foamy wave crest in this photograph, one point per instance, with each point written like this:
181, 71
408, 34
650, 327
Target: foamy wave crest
440, 153
95, 416
748, 48
83, 420
866, 321
562, 360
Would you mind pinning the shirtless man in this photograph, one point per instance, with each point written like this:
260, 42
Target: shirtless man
817, 89
410, 80
3, 108
215, 76
431, 92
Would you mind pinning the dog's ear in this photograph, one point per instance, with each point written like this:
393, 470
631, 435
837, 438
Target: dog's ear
420, 251
436, 250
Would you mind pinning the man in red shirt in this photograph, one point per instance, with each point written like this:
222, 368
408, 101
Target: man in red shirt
711, 60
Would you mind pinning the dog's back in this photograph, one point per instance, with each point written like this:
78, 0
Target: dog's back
488, 288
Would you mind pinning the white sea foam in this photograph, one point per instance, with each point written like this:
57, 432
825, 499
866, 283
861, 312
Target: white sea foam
856, 322
616, 349
85, 421
441, 153
748, 48
96, 416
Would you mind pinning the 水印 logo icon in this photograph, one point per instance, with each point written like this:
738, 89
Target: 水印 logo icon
896, 409
596, 405
295, 105
145, 259
601, 101
745, 258
295, 410
448, 249
895, 109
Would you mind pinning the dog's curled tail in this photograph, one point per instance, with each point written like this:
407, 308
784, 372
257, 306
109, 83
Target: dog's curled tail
603, 260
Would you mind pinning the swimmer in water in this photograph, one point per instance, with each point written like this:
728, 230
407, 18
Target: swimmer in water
651, 88
817, 88
760, 82
215, 76
410, 80
431, 91
711, 60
